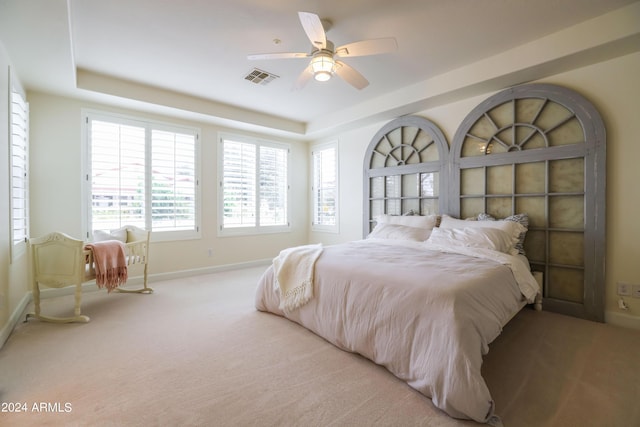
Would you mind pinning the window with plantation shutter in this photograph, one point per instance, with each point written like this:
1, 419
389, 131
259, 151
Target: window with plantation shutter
324, 163
173, 184
19, 178
254, 186
143, 174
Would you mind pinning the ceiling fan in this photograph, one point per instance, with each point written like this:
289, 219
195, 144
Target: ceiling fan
323, 55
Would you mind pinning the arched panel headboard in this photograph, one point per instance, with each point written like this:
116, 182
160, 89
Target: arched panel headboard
405, 170
540, 149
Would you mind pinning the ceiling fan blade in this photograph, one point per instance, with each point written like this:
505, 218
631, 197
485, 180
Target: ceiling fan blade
303, 78
368, 47
314, 29
283, 55
351, 76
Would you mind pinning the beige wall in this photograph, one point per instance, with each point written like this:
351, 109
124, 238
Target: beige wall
56, 191
13, 271
56, 160
613, 87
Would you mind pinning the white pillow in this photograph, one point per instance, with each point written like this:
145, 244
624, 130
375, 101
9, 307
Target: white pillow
522, 219
510, 227
473, 237
420, 221
120, 235
399, 232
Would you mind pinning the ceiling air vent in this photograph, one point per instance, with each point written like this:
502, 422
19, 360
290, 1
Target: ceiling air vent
260, 77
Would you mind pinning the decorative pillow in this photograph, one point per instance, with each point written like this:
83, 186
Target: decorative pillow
513, 228
419, 221
100, 235
473, 237
522, 219
399, 232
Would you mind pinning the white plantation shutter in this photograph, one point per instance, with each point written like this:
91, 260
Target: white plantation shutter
239, 184
273, 186
19, 163
143, 174
254, 184
173, 183
118, 168
324, 189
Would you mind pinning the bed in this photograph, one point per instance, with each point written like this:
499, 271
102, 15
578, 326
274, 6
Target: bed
448, 256
58, 261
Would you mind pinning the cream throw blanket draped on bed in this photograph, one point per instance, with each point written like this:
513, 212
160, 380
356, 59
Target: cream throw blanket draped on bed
294, 275
110, 263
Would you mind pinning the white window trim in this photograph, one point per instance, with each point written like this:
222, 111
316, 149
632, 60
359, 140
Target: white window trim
318, 227
158, 236
255, 230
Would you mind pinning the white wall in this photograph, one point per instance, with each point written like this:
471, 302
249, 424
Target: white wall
56, 191
613, 88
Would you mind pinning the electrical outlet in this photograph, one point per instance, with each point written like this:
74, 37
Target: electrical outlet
624, 289
635, 291
210, 252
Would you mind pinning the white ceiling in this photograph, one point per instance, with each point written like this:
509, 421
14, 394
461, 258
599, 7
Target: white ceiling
198, 48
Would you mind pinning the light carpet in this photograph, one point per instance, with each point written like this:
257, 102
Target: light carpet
197, 353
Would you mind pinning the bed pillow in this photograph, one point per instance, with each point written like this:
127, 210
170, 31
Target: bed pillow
101, 235
522, 219
473, 237
399, 232
419, 221
512, 228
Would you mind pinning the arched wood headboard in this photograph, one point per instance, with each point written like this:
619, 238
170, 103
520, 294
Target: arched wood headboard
405, 170
538, 149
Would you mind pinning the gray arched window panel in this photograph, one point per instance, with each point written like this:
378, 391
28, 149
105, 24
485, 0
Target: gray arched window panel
405, 170
540, 149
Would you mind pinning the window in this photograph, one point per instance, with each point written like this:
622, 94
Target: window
324, 190
143, 174
254, 186
19, 178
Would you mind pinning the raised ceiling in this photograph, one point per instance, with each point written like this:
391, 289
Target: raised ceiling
191, 57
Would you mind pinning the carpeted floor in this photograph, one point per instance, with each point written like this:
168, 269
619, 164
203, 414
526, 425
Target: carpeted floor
197, 353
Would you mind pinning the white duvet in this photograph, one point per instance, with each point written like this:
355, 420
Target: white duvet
426, 314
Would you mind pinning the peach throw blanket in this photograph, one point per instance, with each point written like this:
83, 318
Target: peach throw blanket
110, 263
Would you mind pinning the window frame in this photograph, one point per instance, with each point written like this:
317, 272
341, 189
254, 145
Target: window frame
18, 248
149, 126
256, 229
335, 228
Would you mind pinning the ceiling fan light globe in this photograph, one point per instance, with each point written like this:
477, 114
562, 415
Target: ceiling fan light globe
322, 66
322, 76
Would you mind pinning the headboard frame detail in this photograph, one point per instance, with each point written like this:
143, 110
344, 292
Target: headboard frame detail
540, 149
405, 170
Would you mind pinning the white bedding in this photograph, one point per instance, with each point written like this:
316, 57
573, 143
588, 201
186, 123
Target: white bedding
427, 315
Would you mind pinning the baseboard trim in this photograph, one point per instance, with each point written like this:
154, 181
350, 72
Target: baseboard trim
14, 318
137, 280
622, 319
209, 270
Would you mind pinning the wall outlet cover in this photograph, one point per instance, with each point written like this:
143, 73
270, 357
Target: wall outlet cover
624, 289
635, 291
